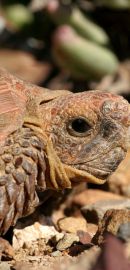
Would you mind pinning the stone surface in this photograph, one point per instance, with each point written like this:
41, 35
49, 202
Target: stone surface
56, 253
90, 196
124, 232
30, 234
95, 212
92, 229
4, 266
83, 261
72, 224
119, 182
67, 241
111, 222
84, 237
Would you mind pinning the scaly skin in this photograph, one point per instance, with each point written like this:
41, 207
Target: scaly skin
54, 139
22, 164
102, 147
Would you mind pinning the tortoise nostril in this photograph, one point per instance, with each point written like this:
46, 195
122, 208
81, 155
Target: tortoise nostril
107, 128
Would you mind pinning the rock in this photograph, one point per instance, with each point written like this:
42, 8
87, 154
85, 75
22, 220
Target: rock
112, 256
84, 237
92, 229
72, 224
27, 236
95, 212
4, 266
67, 241
91, 196
83, 261
124, 232
111, 222
119, 182
56, 253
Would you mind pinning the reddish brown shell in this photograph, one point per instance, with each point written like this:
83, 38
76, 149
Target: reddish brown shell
17, 99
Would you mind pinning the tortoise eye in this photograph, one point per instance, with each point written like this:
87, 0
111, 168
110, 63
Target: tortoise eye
79, 127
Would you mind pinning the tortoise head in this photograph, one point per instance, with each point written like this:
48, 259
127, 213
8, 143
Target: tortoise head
88, 130
86, 133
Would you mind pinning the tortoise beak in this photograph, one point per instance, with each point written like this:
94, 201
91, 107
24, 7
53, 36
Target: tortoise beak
77, 176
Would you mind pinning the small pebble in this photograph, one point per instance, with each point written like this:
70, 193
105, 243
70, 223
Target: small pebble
56, 253
67, 241
72, 224
95, 212
84, 237
4, 266
124, 232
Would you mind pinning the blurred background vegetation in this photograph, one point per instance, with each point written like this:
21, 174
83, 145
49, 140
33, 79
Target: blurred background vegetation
67, 44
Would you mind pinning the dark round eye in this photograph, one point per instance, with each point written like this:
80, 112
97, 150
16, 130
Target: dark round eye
79, 127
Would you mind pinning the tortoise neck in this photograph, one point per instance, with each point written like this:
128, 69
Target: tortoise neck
55, 174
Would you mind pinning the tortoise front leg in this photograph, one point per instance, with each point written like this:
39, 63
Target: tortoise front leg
22, 172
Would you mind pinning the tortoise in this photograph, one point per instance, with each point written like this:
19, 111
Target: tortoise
55, 140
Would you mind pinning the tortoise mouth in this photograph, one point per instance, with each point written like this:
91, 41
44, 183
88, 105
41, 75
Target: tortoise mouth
98, 173
79, 175
99, 169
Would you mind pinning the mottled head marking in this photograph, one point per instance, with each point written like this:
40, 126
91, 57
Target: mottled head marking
85, 134
88, 130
